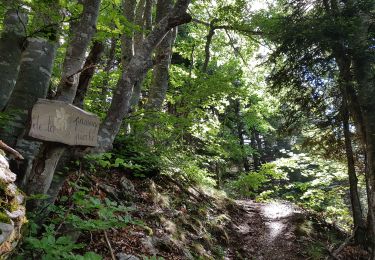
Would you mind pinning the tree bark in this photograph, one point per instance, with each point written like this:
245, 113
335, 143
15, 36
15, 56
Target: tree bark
142, 17
139, 64
359, 223
89, 67
364, 73
32, 83
108, 67
11, 44
210, 35
256, 161
45, 164
163, 54
240, 133
127, 46
83, 32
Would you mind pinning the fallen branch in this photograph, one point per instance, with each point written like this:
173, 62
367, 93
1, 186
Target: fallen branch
109, 245
342, 246
10, 150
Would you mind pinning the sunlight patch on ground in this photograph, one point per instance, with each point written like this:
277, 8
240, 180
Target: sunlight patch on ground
275, 229
277, 210
274, 211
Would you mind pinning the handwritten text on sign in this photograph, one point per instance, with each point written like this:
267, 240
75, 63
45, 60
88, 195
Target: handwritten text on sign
57, 121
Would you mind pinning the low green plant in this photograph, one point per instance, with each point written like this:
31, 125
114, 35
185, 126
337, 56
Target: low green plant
249, 184
80, 212
51, 246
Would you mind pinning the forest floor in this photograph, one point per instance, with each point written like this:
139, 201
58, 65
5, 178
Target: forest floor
267, 231
179, 221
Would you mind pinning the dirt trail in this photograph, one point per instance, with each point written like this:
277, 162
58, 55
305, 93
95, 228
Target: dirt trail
265, 231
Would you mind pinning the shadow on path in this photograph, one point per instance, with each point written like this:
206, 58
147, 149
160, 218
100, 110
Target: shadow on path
266, 231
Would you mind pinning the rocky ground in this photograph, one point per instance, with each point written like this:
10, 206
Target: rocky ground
182, 222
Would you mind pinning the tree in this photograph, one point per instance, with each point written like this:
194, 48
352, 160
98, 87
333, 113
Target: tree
12, 42
311, 55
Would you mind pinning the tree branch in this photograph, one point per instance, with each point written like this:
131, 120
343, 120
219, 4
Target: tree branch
10, 150
229, 27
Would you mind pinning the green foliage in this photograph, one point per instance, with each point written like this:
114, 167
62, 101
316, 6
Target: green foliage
314, 183
80, 212
53, 246
249, 184
110, 160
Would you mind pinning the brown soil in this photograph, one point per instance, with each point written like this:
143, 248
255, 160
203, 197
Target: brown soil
265, 231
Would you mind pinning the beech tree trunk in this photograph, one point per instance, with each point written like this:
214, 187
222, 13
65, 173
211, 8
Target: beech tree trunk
127, 46
138, 65
240, 133
32, 83
89, 67
163, 55
11, 45
107, 69
45, 163
143, 20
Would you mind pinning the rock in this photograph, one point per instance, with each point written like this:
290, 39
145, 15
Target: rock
6, 231
123, 256
127, 188
6, 176
110, 190
148, 244
20, 212
127, 185
12, 215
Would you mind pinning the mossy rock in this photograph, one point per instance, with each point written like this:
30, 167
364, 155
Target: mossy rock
12, 210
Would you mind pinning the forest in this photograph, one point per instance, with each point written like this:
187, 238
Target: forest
187, 129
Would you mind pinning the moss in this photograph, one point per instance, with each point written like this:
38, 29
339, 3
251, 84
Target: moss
4, 218
13, 205
316, 250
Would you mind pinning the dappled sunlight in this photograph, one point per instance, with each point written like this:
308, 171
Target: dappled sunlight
277, 210
275, 229
273, 214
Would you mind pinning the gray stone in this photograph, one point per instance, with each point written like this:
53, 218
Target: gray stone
127, 186
123, 256
5, 174
6, 231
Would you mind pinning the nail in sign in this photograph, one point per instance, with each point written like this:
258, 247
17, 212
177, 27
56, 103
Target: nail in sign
58, 121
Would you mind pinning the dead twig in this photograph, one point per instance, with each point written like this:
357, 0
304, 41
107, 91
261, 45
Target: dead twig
10, 150
109, 245
342, 246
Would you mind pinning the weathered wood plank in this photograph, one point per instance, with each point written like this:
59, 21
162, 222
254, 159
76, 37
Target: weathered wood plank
58, 121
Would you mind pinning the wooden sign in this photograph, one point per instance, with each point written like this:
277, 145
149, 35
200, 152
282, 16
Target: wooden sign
58, 121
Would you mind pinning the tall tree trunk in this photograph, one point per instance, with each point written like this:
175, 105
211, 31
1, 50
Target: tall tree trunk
92, 60
256, 161
364, 75
259, 146
349, 97
139, 64
107, 69
210, 35
32, 83
163, 54
45, 164
359, 224
11, 45
127, 44
240, 133
142, 18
